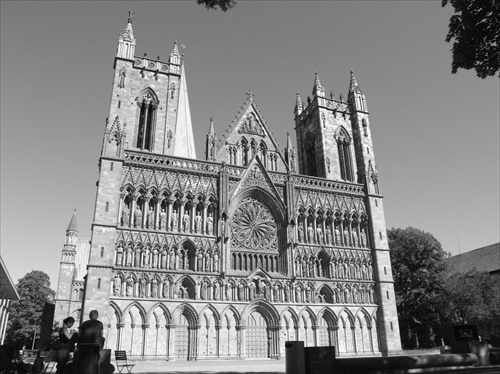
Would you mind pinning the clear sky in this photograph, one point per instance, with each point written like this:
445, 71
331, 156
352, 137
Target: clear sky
436, 135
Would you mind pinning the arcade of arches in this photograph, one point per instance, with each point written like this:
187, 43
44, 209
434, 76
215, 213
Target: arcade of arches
197, 331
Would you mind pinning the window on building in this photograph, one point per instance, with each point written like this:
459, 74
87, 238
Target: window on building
344, 151
147, 119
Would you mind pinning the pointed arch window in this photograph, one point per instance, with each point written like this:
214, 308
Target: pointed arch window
148, 104
344, 151
310, 148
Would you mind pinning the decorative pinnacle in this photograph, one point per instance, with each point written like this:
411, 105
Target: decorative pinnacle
175, 50
353, 85
298, 103
211, 129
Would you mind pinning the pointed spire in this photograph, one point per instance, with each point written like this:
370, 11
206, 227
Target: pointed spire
353, 85
184, 139
317, 89
72, 224
211, 129
175, 50
298, 104
288, 140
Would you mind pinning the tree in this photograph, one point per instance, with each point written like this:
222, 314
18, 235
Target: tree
224, 5
26, 314
473, 298
475, 28
418, 269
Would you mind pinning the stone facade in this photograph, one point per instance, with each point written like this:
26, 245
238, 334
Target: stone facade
232, 256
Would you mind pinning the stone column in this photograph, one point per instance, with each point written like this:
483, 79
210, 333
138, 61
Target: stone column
145, 327
242, 341
119, 332
171, 341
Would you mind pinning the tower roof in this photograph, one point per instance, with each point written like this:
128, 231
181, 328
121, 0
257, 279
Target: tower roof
73, 226
317, 88
298, 104
353, 85
184, 139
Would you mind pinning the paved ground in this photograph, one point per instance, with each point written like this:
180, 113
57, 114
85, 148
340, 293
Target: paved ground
264, 366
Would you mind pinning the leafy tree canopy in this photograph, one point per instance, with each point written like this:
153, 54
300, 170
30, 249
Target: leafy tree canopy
224, 5
473, 298
475, 29
418, 270
25, 315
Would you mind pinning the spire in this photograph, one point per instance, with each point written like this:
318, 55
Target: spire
184, 140
289, 154
211, 129
317, 89
126, 42
298, 105
72, 224
175, 50
353, 85
288, 140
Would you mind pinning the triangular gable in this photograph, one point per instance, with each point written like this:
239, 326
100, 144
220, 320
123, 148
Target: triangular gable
259, 272
249, 124
256, 176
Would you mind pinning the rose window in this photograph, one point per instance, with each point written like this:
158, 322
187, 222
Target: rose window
253, 226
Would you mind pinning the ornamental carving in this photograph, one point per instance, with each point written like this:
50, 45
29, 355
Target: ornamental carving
253, 227
252, 126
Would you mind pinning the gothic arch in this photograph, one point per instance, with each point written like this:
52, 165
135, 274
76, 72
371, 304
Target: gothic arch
329, 316
188, 284
350, 316
265, 308
188, 311
294, 315
231, 309
214, 311
151, 314
362, 312
142, 312
342, 133
308, 312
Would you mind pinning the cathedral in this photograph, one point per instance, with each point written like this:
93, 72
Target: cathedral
233, 255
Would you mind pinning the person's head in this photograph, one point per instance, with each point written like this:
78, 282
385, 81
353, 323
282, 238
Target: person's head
68, 322
94, 314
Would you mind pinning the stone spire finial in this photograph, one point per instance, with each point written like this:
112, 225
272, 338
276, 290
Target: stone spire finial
175, 50
249, 95
298, 104
211, 129
130, 15
126, 42
353, 85
73, 226
317, 88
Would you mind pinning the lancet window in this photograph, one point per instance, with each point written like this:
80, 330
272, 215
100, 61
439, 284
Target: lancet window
344, 151
147, 120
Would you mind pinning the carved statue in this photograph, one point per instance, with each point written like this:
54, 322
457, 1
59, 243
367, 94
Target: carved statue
130, 286
151, 218
251, 289
123, 74
287, 294
346, 236
142, 287
215, 262
185, 221
241, 292
155, 258
117, 282
137, 257
164, 259
228, 292
154, 288
172, 260
216, 291
166, 289
338, 239
319, 234
175, 221
329, 237
276, 294
310, 233
125, 216
145, 257
354, 238
363, 238
119, 255
138, 217
301, 233
128, 260
298, 298
197, 223
199, 258
210, 224
203, 291
163, 220
308, 295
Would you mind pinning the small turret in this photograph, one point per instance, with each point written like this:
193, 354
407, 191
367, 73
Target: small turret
211, 148
174, 55
355, 97
72, 230
126, 42
290, 154
298, 105
317, 88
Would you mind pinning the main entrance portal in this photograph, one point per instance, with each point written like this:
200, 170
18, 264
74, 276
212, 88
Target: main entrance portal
257, 341
182, 338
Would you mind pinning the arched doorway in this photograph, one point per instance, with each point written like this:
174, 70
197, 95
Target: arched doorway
181, 338
257, 341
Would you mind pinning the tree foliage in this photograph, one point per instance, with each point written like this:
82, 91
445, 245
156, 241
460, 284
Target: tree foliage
475, 29
224, 5
25, 315
473, 298
418, 269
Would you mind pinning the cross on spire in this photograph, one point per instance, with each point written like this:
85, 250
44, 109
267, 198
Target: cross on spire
249, 95
130, 15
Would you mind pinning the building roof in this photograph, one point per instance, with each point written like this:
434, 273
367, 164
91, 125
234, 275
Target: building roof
482, 259
73, 226
7, 288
